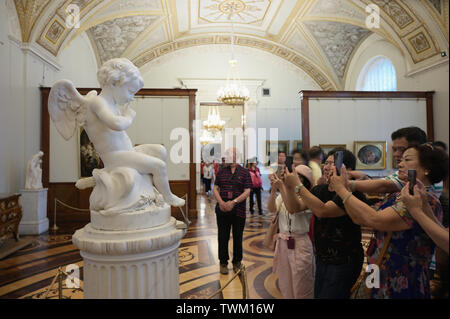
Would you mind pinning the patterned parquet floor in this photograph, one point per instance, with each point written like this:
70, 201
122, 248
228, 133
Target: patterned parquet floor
29, 272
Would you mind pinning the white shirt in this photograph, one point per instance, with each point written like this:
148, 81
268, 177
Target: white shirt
208, 171
299, 222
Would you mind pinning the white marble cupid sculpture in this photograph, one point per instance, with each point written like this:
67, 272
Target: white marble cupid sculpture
34, 172
124, 184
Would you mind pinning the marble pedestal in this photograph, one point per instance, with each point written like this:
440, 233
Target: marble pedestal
34, 211
140, 263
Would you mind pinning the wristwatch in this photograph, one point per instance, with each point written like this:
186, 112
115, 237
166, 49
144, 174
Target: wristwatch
235, 201
297, 188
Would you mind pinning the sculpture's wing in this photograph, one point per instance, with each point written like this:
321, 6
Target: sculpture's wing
66, 107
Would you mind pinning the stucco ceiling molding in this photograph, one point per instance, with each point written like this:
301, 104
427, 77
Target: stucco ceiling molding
28, 13
113, 37
53, 30
336, 8
412, 30
337, 40
92, 13
309, 67
244, 11
52, 34
400, 16
441, 15
298, 41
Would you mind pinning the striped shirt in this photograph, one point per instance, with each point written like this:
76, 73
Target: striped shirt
225, 180
436, 189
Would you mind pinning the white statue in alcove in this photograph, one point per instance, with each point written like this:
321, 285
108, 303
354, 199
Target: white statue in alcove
33, 178
124, 183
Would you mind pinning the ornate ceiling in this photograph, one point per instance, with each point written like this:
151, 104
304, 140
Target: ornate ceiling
318, 36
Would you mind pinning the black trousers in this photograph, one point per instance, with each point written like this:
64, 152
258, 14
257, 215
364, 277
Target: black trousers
257, 192
227, 221
207, 184
336, 281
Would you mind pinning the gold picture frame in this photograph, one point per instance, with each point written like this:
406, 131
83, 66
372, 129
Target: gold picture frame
370, 155
283, 146
297, 145
326, 148
88, 158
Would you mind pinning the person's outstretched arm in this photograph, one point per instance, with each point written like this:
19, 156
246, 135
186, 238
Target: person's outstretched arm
291, 201
379, 186
361, 213
318, 208
435, 230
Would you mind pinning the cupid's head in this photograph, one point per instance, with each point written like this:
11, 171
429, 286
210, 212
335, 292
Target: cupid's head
122, 77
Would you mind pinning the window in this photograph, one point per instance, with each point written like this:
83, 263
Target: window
378, 75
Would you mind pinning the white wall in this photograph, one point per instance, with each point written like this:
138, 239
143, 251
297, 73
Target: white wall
283, 78
24, 69
281, 110
344, 121
79, 66
12, 109
433, 79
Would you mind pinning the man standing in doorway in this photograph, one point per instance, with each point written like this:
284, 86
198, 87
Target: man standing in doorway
232, 187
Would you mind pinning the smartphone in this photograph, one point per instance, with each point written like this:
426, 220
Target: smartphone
338, 161
289, 161
411, 180
291, 243
280, 170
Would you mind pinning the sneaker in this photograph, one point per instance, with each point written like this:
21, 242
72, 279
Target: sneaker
236, 266
223, 269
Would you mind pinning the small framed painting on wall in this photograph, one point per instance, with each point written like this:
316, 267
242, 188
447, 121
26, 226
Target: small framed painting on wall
370, 154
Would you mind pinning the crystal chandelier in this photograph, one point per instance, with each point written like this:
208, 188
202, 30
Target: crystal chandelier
212, 127
214, 122
233, 93
206, 138
209, 137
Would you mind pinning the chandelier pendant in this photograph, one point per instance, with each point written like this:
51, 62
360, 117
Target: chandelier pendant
233, 93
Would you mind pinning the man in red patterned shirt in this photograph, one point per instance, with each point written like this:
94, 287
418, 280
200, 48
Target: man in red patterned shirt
231, 189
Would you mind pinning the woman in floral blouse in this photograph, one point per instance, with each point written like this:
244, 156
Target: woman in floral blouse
404, 267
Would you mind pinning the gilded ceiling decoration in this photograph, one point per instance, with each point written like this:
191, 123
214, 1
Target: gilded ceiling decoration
338, 40
436, 4
340, 8
237, 10
320, 77
28, 12
112, 37
318, 36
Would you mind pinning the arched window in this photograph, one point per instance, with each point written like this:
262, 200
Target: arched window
378, 75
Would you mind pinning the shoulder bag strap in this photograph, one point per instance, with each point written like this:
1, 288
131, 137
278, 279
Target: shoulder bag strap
384, 249
378, 262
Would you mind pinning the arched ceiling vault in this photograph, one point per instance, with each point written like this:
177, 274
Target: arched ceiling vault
318, 36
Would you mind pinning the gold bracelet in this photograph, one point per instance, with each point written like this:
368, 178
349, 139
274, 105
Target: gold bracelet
346, 197
297, 188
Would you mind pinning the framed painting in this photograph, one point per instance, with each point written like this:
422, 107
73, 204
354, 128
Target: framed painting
326, 148
297, 145
88, 158
370, 154
394, 163
283, 146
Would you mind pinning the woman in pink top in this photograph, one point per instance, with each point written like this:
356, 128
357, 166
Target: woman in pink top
294, 257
